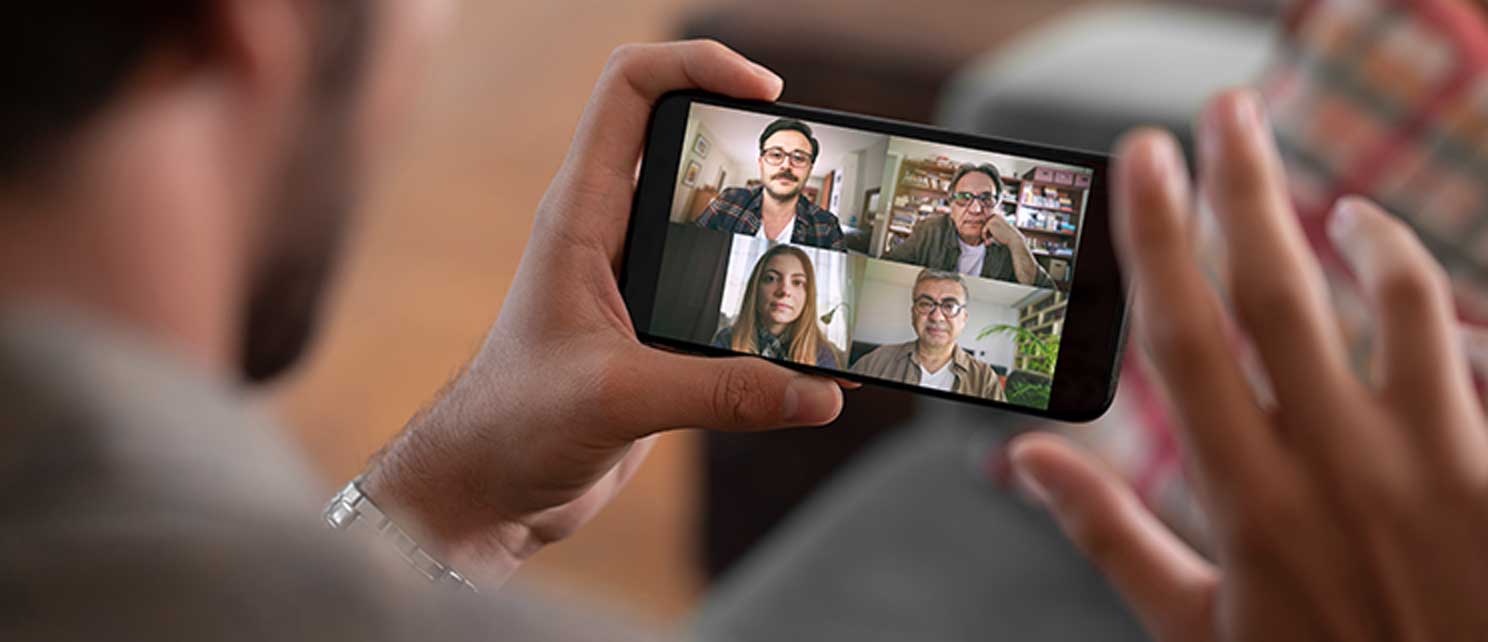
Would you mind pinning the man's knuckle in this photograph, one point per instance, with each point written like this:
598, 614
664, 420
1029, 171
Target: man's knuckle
1410, 286
710, 46
1267, 295
625, 57
1100, 541
1176, 339
738, 397
1260, 518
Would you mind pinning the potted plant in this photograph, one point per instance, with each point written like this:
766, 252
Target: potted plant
1041, 352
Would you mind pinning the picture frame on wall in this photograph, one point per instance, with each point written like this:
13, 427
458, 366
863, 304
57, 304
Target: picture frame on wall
701, 145
690, 176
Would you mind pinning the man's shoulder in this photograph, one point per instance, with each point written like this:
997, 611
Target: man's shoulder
819, 214
979, 373
929, 230
164, 494
740, 196
724, 337
884, 354
977, 366
730, 210
925, 244
931, 224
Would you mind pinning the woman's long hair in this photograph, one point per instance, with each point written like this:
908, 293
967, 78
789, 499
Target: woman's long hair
806, 336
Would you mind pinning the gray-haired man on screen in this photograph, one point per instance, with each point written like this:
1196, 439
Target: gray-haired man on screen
934, 359
974, 239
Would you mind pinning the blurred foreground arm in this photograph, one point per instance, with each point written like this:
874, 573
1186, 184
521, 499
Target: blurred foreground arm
1342, 510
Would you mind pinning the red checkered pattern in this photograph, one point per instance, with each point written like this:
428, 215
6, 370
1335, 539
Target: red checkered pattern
1385, 98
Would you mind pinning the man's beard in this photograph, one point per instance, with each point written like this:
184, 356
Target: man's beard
784, 196
311, 208
285, 296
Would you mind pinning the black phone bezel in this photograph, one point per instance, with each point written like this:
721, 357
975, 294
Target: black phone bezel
1084, 382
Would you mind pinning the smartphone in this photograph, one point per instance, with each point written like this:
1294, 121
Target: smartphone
884, 252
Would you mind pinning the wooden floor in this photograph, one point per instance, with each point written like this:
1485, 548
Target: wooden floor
439, 246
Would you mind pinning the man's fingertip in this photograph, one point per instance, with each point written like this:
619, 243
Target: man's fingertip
773, 83
1033, 467
811, 401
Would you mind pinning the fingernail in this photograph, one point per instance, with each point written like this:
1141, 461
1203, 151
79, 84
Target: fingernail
1166, 164
1030, 485
1344, 219
1024, 477
1247, 112
764, 72
809, 400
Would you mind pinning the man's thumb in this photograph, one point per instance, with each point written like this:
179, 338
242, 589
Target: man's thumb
731, 394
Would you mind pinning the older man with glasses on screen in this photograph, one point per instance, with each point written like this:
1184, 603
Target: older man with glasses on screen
934, 359
973, 239
775, 209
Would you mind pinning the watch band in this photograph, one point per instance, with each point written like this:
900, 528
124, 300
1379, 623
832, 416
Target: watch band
351, 508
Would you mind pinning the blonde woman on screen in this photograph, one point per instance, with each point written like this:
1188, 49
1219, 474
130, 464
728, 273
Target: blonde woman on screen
778, 316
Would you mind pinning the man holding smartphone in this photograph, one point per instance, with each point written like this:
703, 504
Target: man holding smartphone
974, 239
172, 196
143, 281
935, 359
776, 209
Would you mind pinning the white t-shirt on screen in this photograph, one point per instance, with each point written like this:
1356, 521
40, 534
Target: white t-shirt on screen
942, 380
971, 259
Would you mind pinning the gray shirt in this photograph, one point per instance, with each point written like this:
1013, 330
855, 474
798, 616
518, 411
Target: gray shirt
141, 500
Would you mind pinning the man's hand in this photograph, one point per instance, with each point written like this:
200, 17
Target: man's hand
1341, 510
552, 416
998, 230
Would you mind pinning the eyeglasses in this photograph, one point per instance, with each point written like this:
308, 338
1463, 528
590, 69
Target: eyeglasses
776, 156
948, 307
987, 199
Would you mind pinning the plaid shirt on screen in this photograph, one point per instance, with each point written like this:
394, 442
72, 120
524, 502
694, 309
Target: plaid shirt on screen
737, 210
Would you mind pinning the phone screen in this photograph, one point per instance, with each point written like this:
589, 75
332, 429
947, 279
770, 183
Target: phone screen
892, 258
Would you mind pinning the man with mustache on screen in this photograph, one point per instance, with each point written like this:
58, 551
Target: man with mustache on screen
934, 359
775, 209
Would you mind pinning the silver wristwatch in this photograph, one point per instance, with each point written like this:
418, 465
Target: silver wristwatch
351, 508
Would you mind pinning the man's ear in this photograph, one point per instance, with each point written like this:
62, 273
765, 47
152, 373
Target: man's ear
264, 51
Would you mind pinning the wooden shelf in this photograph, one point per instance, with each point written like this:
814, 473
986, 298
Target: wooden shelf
1066, 210
1046, 324
1048, 320
1037, 230
941, 192
1057, 306
929, 166
1042, 252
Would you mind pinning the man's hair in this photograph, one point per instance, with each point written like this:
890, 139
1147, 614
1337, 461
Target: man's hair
928, 274
791, 124
982, 168
65, 61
